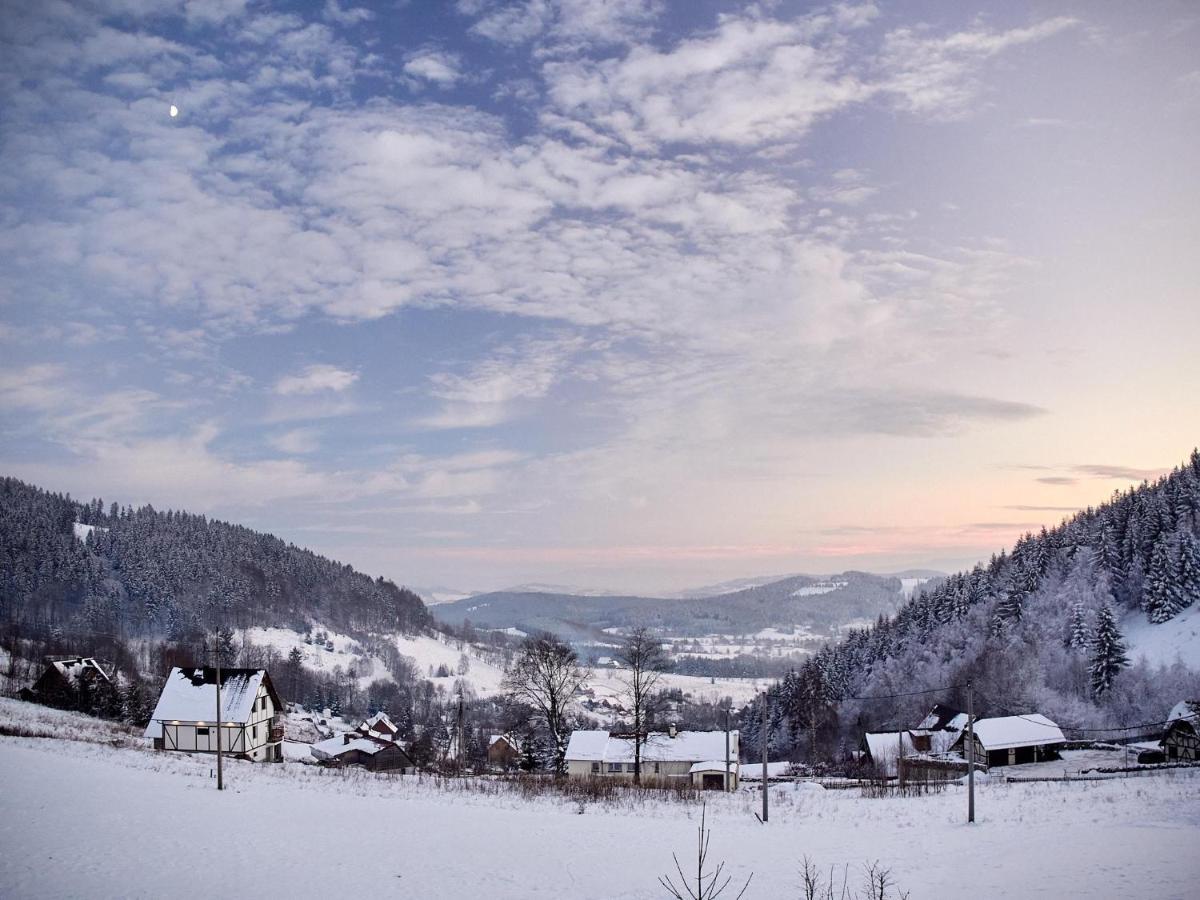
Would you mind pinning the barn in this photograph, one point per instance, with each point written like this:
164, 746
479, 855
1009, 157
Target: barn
503, 752
1012, 740
251, 726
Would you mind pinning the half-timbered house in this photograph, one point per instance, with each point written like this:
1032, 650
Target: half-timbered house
251, 723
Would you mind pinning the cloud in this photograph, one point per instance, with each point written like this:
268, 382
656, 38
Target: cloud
497, 389
316, 379
562, 24
939, 74
1128, 473
434, 66
1058, 480
297, 441
350, 15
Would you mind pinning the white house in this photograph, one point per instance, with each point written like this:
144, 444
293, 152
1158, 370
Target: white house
698, 756
251, 724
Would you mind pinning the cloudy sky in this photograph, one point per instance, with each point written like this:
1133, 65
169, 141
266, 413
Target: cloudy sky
621, 294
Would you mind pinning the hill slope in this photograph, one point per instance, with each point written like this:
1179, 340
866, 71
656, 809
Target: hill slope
78, 567
801, 600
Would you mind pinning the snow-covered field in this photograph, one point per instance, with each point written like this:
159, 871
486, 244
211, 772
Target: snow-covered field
1177, 638
82, 819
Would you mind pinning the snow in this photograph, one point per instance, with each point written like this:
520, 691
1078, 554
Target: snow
82, 531
142, 824
821, 587
1017, 731
1184, 709
885, 746
908, 585
712, 765
752, 771
1162, 644
185, 700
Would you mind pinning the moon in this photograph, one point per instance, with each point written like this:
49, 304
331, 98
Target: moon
174, 110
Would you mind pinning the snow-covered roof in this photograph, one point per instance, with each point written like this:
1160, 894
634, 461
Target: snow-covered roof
686, 746
337, 746
1017, 731
1184, 709
190, 695
508, 739
774, 770
71, 669
379, 723
943, 718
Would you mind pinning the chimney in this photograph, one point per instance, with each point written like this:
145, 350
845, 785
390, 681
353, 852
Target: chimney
671, 730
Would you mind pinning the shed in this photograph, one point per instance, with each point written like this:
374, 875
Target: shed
72, 682
504, 751
1012, 740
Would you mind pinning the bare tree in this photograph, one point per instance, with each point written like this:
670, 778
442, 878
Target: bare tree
644, 659
547, 676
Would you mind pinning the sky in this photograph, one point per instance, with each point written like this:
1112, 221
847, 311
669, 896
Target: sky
624, 295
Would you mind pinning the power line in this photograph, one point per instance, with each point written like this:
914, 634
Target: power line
1144, 725
936, 690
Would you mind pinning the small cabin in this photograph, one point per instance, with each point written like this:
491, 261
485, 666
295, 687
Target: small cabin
503, 752
251, 714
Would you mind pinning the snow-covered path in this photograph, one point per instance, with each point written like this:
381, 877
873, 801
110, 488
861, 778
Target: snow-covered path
80, 819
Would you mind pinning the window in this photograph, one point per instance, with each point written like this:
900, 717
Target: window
614, 767
201, 731
656, 768
595, 768
254, 732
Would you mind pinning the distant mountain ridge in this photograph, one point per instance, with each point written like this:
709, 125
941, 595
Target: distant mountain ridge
802, 601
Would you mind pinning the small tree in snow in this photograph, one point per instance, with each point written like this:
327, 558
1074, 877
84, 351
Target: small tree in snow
644, 660
705, 884
1108, 652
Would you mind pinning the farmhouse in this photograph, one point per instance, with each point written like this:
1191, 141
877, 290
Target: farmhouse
503, 751
1010, 740
695, 756
67, 683
1182, 737
251, 724
373, 753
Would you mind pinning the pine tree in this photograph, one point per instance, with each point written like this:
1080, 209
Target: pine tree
1077, 632
1188, 578
1108, 652
1163, 595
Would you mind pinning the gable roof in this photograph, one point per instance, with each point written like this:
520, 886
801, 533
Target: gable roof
343, 744
1007, 732
686, 746
72, 669
885, 745
943, 718
379, 724
190, 695
504, 738
1186, 715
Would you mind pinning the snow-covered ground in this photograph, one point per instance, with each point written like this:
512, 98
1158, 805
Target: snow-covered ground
84, 819
1176, 638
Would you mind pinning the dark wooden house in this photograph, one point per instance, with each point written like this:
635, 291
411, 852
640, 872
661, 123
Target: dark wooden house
372, 753
503, 752
1012, 740
75, 682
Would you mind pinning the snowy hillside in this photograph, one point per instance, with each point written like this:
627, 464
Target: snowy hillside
1177, 638
123, 835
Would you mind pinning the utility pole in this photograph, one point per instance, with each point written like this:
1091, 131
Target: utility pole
765, 742
899, 758
220, 755
460, 732
970, 756
727, 750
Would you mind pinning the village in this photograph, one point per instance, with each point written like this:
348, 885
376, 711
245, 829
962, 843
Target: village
238, 714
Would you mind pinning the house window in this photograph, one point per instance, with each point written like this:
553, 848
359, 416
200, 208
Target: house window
595, 768
254, 732
656, 768
201, 731
614, 767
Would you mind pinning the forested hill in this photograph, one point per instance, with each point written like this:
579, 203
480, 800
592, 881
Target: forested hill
1036, 629
171, 574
